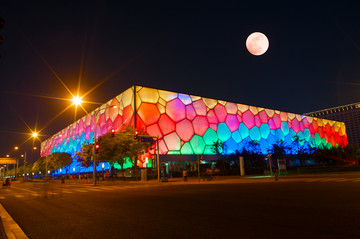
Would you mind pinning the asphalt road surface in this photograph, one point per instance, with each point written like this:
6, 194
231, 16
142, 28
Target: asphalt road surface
308, 207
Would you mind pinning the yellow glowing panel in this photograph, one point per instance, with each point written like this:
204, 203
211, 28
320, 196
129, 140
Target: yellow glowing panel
138, 102
195, 98
231, 108
269, 112
127, 98
254, 110
119, 97
242, 107
222, 102
162, 102
167, 95
161, 108
149, 95
210, 103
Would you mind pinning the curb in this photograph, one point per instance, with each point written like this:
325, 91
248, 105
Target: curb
12, 229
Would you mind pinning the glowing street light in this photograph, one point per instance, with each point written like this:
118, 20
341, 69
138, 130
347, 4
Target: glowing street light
77, 100
35, 134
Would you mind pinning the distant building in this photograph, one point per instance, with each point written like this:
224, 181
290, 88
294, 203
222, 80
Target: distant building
349, 114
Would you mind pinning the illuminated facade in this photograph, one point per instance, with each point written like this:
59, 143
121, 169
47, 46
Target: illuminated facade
188, 125
349, 114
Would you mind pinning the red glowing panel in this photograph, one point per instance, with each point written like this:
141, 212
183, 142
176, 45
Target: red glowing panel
263, 117
127, 115
190, 112
117, 125
220, 112
185, 130
200, 107
249, 119
314, 127
232, 122
321, 132
214, 126
200, 125
295, 125
109, 125
212, 117
277, 121
149, 113
166, 124
271, 124
154, 130
139, 123
257, 121
175, 109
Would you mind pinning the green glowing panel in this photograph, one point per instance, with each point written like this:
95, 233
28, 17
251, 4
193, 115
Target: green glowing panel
210, 136
223, 132
173, 152
186, 149
208, 150
197, 144
317, 139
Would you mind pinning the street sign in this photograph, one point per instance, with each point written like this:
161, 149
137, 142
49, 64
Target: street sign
8, 160
146, 139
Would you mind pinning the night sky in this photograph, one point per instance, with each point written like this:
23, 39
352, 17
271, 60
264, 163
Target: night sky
313, 61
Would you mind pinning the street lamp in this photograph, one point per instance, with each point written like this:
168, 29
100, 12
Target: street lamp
94, 149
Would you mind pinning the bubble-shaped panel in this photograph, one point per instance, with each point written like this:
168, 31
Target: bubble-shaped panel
232, 122
149, 113
166, 124
220, 112
175, 109
200, 107
185, 130
197, 144
248, 119
172, 141
200, 125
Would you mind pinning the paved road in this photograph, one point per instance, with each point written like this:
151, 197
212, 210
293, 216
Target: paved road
294, 207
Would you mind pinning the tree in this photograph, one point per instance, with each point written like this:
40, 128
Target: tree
85, 155
39, 165
59, 160
116, 148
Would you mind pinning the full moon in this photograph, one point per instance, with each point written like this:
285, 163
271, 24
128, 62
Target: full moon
257, 43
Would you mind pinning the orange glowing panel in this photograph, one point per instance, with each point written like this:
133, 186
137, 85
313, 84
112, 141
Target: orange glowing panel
149, 113
154, 130
127, 115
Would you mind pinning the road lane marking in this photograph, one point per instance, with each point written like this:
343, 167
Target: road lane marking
19, 196
24, 190
80, 190
2, 197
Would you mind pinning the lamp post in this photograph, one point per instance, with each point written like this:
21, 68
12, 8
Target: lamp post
94, 150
